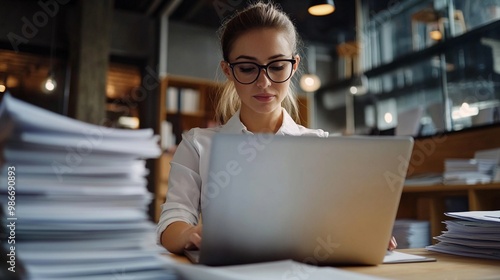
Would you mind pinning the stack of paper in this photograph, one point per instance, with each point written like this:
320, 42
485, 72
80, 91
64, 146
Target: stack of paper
496, 175
77, 198
473, 234
494, 155
411, 233
425, 179
468, 171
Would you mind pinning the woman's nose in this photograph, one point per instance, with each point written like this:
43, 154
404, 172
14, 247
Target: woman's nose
263, 81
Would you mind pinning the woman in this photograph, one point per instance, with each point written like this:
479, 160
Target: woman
259, 48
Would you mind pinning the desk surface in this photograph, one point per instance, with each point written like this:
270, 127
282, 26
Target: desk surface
446, 267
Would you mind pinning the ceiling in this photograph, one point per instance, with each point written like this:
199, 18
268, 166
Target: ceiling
330, 30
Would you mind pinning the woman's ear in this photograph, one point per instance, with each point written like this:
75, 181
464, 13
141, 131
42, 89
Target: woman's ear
226, 69
296, 65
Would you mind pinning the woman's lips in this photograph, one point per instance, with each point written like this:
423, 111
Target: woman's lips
264, 98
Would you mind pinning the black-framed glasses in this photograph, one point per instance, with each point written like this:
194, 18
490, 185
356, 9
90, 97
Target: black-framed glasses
278, 71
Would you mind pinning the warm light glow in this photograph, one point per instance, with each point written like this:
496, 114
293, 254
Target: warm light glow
111, 91
388, 117
12, 82
310, 83
321, 10
129, 122
436, 35
3, 83
50, 84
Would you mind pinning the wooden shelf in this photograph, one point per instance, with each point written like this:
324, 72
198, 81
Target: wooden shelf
450, 188
200, 114
430, 202
182, 121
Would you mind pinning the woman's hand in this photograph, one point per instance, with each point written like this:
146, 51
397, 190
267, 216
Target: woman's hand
179, 236
193, 237
392, 244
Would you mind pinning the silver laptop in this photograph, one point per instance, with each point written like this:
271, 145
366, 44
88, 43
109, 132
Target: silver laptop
324, 201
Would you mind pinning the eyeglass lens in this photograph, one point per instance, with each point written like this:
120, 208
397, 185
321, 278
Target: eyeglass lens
277, 71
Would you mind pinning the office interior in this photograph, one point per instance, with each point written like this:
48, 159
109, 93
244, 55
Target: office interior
428, 69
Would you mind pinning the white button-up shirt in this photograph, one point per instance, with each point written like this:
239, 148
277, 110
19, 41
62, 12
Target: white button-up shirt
190, 164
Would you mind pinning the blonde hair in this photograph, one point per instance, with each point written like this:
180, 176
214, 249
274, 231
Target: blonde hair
256, 16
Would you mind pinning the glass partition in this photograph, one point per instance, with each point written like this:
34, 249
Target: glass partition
436, 62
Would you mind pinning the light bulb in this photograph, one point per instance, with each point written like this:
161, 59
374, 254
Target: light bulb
3, 88
388, 117
436, 35
50, 84
310, 82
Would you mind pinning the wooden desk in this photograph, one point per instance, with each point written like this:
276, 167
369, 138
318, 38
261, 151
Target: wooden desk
446, 267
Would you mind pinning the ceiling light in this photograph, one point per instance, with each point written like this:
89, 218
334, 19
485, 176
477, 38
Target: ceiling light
3, 84
310, 82
50, 84
436, 34
359, 85
321, 8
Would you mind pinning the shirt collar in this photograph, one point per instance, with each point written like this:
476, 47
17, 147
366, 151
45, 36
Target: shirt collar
234, 125
289, 126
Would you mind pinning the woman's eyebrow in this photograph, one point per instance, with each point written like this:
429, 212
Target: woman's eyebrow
253, 58
277, 56
246, 57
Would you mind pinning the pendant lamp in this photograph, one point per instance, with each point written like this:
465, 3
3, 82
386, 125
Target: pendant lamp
321, 8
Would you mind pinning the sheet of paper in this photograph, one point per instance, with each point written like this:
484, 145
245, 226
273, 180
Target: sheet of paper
399, 257
137, 168
110, 268
486, 244
266, 271
16, 153
44, 212
471, 228
33, 118
123, 145
467, 251
490, 216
